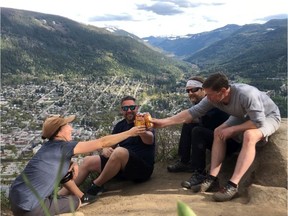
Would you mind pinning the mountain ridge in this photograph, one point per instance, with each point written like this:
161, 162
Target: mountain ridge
36, 43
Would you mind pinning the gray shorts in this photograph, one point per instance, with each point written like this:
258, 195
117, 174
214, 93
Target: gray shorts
64, 204
269, 127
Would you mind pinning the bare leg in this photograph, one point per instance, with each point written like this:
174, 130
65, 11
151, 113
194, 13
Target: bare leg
71, 188
247, 154
89, 164
218, 155
117, 161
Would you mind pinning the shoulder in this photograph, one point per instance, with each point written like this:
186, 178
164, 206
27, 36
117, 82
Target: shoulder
120, 126
242, 88
120, 123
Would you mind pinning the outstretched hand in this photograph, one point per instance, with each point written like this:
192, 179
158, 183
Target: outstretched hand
158, 123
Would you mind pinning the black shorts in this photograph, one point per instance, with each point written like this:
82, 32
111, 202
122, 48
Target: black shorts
64, 204
136, 169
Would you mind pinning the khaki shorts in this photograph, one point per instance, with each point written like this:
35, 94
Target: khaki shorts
64, 204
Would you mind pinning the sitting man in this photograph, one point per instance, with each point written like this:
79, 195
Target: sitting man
198, 136
210, 121
132, 159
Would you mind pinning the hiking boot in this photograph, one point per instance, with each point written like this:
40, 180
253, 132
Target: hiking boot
225, 193
87, 199
195, 179
209, 184
179, 167
95, 190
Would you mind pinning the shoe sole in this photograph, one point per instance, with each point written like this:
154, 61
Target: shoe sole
186, 185
224, 199
87, 203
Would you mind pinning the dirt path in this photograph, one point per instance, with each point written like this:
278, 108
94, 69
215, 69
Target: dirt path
159, 196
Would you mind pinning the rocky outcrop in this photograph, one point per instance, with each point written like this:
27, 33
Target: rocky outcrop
271, 160
275, 196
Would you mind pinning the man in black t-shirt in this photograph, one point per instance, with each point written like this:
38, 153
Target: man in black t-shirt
132, 159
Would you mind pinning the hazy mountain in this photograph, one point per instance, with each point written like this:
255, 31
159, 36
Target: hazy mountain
254, 50
182, 46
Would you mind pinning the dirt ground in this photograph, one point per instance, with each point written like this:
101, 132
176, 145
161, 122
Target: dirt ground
159, 196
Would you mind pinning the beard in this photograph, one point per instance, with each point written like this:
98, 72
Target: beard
195, 100
130, 117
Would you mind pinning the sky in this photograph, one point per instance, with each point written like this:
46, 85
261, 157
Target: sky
159, 17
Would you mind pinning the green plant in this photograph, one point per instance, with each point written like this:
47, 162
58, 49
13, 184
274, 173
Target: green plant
5, 204
167, 143
184, 210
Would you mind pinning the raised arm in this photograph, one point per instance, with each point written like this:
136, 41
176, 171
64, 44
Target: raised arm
180, 118
106, 141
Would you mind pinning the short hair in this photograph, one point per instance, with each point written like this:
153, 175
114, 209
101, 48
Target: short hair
128, 98
197, 78
55, 134
216, 82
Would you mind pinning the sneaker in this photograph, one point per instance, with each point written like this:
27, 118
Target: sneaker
87, 199
225, 193
179, 167
95, 190
209, 184
195, 179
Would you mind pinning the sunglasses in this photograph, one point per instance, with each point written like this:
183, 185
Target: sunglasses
132, 107
193, 90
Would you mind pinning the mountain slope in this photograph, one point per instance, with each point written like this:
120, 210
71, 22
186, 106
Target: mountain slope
253, 51
35, 43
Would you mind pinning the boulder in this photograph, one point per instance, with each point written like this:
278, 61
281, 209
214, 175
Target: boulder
271, 160
275, 196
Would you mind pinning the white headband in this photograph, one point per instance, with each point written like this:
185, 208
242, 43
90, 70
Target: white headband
194, 84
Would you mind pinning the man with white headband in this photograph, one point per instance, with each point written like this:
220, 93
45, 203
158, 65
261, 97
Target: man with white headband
197, 136
254, 117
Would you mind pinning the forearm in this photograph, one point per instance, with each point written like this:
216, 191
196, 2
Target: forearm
111, 140
180, 118
147, 137
244, 126
106, 141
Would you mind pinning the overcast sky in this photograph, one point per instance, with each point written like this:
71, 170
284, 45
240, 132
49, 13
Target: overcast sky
159, 17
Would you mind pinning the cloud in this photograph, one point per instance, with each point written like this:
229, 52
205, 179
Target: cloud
111, 17
277, 16
189, 4
209, 19
161, 8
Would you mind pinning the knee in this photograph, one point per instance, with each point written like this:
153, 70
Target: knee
119, 153
88, 162
251, 136
197, 130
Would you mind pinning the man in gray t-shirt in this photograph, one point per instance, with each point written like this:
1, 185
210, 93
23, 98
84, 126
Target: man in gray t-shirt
253, 117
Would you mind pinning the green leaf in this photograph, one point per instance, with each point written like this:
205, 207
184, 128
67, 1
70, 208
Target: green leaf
184, 210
